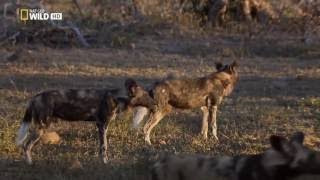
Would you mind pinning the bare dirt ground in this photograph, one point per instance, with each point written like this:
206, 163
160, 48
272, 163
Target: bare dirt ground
278, 93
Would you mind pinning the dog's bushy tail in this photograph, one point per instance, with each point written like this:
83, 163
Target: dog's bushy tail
139, 115
25, 125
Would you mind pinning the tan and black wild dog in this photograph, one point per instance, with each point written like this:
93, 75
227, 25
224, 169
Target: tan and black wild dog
285, 159
97, 105
205, 93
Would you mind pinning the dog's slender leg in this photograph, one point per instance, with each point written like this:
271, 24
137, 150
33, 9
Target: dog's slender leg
154, 119
205, 116
213, 121
34, 137
102, 129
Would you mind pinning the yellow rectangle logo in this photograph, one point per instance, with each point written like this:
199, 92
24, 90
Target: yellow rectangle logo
24, 14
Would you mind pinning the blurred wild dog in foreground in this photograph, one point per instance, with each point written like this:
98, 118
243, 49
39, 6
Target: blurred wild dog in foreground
285, 159
98, 105
205, 93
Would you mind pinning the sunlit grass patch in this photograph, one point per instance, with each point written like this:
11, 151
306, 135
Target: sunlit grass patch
311, 102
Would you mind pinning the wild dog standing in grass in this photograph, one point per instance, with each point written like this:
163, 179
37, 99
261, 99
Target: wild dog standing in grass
217, 12
205, 93
100, 106
284, 160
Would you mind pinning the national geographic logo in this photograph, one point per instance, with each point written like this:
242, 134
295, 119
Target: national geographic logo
24, 14
38, 15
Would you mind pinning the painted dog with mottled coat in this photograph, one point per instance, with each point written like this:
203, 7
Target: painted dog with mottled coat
97, 105
205, 93
286, 159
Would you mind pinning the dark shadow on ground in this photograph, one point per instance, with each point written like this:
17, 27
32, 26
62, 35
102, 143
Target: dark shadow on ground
62, 169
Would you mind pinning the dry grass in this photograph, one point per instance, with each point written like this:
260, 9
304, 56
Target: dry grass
278, 94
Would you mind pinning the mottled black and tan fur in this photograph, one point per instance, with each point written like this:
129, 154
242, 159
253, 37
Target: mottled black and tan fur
286, 159
205, 93
97, 105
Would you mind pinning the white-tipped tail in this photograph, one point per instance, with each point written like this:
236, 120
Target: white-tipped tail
138, 116
22, 133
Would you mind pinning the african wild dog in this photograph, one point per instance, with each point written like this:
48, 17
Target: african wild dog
284, 160
205, 93
217, 12
98, 105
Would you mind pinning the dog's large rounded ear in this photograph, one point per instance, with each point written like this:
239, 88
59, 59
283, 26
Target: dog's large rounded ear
219, 66
234, 65
131, 86
278, 143
297, 137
